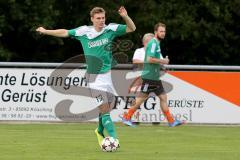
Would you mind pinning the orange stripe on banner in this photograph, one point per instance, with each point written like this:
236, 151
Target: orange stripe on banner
223, 84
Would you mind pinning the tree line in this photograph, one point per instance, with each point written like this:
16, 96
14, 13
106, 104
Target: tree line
198, 31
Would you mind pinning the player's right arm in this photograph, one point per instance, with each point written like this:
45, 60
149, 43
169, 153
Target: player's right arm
55, 33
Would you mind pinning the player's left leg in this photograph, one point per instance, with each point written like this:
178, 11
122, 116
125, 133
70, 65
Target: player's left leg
107, 120
160, 92
166, 111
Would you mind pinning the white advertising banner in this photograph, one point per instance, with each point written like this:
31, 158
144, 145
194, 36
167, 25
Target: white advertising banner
194, 97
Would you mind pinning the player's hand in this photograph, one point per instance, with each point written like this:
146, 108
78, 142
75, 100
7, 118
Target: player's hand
41, 30
166, 60
122, 12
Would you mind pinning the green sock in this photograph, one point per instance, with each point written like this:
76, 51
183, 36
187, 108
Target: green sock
108, 125
100, 125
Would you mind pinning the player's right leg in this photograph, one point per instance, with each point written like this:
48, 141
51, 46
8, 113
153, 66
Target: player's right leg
101, 91
141, 97
99, 130
98, 92
126, 118
100, 137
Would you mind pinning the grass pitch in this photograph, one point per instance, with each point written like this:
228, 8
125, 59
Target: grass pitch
144, 142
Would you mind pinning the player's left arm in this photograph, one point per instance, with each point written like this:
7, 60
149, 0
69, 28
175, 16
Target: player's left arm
130, 24
156, 60
151, 51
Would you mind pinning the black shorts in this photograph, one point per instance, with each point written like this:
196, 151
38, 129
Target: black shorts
149, 86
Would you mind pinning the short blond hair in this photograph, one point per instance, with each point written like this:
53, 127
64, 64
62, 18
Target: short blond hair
146, 36
96, 10
160, 24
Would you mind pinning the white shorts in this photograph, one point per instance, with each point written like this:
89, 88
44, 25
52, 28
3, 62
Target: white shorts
101, 87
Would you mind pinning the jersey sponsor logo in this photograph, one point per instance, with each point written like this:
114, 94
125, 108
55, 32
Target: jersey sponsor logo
98, 43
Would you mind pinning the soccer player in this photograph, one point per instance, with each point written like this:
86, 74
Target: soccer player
151, 78
95, 40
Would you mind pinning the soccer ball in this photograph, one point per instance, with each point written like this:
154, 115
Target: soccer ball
109, 144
